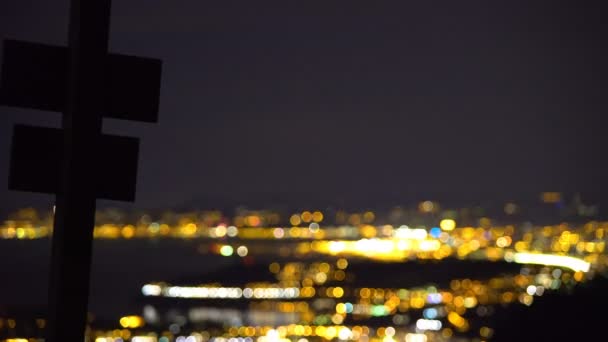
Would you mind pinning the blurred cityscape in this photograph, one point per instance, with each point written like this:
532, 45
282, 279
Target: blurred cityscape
425, 273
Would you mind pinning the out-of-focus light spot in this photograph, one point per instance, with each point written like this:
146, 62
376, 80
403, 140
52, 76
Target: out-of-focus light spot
253, 220
345, 334
510, 208
226, 250
273, 336
317, 216
526, 299
551, 197
128, 231
150, 314
404, 232
306, 216
379, 310
220, 231
278, 233
503, 241
151, 290
337, 319
456, 319
426, 206
131, 321
556, 273
320, 278
336, 247
447, 224
486, 332
369, 217
531, 290
174, 328
540, 290
295, 220
242, 251
572, 263
434, 298
143, 339
232, 231
430, 313
342, 263
470, 302
274, 267
435, 232
428, 324
411, 337
125, 334
313, 227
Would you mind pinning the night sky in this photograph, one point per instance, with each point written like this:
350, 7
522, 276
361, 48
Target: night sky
369, 101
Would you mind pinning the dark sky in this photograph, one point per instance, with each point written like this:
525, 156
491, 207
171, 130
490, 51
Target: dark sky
373, 101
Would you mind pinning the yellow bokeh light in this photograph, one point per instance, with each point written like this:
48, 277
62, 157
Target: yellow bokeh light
306, 216
317, 216
274, 267
131, 322
447, 224
295, 220
342, 263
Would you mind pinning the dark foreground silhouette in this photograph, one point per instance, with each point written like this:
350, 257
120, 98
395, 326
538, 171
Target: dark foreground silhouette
580, 316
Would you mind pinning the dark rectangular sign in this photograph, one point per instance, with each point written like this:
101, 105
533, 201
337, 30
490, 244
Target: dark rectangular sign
36, 163
35, 76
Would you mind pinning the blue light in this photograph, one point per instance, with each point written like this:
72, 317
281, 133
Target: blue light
435, 232
430, 313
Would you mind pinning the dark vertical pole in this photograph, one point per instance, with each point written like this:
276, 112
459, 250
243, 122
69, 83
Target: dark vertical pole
75, 207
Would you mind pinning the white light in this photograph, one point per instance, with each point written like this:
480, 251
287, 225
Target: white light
406, 233
345, 334
242, 251
273, 335
232, 231
531, 290
151, 290
572, 263
429, 245
143, 339
278, 233
336, 247
230, 292
415, 337
428, 324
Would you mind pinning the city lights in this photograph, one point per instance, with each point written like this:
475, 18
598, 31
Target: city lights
312, 272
